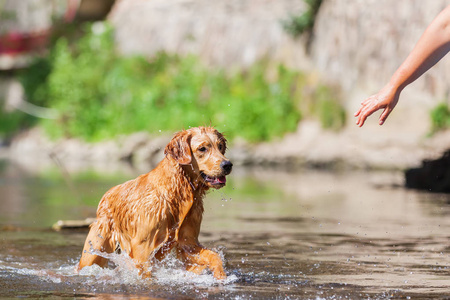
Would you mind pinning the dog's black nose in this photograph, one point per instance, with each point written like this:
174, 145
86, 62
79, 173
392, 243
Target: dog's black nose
226, 165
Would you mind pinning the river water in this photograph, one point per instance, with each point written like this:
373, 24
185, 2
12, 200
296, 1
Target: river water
284, 235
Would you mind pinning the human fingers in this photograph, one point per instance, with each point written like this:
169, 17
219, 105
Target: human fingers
360, 121
361, 115
365, 111
368, 100
387, 111
358, 111
363, 106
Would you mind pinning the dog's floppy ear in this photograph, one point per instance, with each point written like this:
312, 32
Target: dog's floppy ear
179, 148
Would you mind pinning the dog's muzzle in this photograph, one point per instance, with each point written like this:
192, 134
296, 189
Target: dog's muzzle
226, 166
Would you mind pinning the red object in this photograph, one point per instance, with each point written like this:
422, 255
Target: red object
13, 43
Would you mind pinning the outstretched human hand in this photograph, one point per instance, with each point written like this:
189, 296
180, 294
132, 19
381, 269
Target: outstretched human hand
431, 47
386, 99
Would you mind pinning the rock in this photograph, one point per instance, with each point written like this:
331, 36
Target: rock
361, 43
310, 146
140, 150
355, 45
224, 32
132, 143
433, 175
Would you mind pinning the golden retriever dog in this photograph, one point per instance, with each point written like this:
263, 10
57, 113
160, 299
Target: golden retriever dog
162, 210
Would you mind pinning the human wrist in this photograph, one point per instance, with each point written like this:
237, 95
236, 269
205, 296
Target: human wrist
395, 86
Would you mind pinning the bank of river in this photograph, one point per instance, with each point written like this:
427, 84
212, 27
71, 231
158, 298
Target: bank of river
371, 147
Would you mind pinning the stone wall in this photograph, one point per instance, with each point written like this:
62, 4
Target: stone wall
224, 32
360, 43
25, 16
356, 43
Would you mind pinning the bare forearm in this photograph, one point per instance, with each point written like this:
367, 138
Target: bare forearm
431, 47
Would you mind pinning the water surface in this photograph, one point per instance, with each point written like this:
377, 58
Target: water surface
306, 234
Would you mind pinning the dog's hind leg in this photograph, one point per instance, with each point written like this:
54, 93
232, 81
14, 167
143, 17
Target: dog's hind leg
97, 241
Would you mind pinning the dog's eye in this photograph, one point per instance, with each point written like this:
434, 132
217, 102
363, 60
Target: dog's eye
202, 149
220, 147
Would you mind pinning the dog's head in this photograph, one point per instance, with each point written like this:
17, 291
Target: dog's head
202, 151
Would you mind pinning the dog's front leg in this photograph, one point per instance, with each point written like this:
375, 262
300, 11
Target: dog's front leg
197, 258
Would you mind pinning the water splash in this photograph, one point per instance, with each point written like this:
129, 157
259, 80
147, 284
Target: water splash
121, 270
170, 271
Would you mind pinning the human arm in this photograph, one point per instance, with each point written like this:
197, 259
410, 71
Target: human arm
431, 47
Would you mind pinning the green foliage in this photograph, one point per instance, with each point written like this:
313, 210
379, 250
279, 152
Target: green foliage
11, 122
33, 81
100, 94
75, 86
295, 25
328, 109
440, 117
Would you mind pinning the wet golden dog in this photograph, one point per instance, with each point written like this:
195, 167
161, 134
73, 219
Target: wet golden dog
162, 210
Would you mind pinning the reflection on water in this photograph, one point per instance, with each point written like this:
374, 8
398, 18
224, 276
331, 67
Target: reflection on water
310, 234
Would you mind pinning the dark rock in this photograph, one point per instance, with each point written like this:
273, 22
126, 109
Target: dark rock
433, 175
